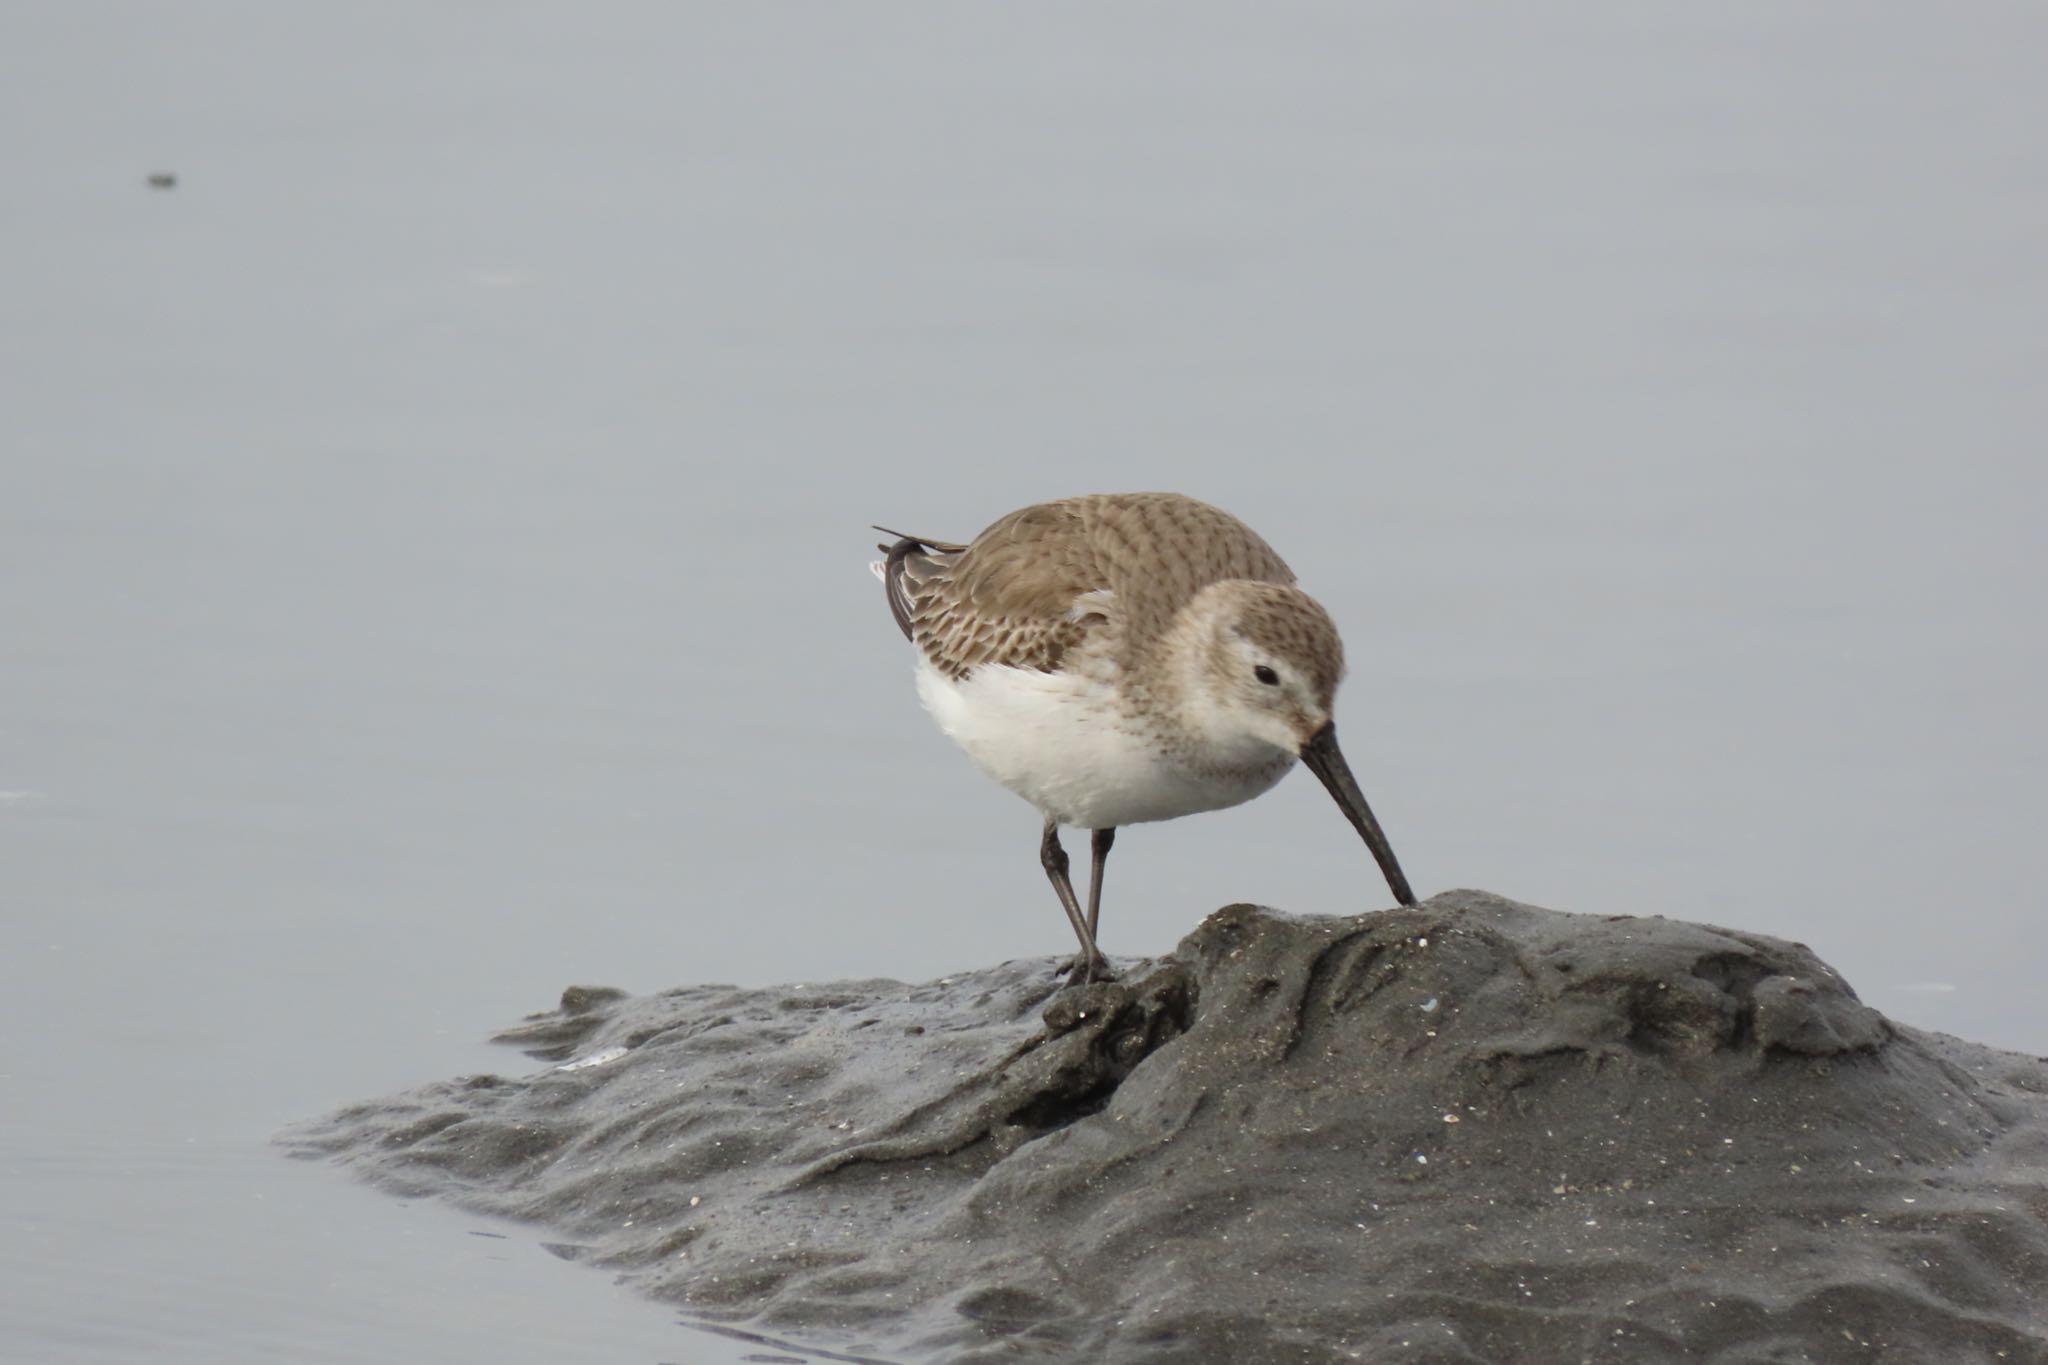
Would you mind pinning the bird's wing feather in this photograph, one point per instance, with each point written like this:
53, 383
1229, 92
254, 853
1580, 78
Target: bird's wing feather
1034, 585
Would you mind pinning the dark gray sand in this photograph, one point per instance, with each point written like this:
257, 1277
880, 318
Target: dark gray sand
1472, 1131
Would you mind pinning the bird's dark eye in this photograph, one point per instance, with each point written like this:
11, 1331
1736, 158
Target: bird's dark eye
1266, 676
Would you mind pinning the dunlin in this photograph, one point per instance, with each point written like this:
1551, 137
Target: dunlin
1120, 658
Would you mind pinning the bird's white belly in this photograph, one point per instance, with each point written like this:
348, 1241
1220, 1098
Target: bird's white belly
1062, 742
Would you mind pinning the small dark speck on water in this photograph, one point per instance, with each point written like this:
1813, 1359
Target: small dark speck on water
162, 180
499, 1236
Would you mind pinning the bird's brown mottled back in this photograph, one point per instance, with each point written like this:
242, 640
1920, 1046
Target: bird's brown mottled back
1034, 585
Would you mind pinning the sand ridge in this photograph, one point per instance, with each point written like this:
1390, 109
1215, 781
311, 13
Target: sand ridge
1471, 1131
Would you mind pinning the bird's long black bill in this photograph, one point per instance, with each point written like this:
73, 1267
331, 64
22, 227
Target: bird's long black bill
1326, 761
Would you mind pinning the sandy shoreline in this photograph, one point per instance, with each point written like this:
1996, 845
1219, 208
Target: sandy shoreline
1474, 1131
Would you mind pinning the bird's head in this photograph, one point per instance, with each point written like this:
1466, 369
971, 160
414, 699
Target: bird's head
1260, 665
1266, 663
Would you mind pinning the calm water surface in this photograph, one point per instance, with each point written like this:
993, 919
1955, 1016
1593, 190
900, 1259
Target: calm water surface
432, 536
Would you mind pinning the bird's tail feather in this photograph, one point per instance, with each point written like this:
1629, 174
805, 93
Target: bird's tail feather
911, 562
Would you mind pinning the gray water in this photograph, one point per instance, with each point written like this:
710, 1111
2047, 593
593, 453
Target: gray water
432, 536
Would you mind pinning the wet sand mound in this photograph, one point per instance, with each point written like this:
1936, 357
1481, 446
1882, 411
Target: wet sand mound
1471, 1131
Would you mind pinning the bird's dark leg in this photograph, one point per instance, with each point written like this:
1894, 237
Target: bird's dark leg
1089, 965
1098, 849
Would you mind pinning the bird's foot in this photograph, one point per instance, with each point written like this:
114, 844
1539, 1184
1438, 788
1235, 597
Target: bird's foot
1080, 970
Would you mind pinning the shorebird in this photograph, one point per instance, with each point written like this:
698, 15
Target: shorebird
1120, 658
